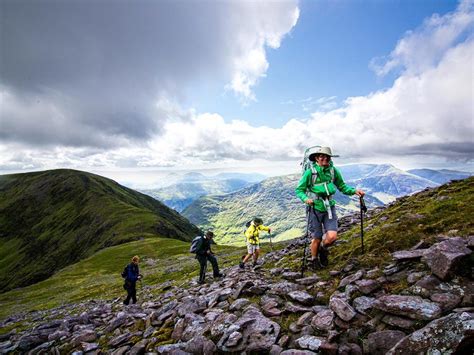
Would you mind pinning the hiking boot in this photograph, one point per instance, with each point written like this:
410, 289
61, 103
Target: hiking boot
241, 265
201, 282
315, 264
323, 256
218, 276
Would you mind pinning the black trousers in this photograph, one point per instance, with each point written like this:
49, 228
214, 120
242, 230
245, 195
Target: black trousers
131, 292
203, 263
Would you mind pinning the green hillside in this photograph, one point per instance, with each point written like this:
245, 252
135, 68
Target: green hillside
273, 200
51, 219
98, 277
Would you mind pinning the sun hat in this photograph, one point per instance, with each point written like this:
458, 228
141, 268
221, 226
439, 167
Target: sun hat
321, 150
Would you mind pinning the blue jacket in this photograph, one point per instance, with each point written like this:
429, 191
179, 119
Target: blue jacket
132, 272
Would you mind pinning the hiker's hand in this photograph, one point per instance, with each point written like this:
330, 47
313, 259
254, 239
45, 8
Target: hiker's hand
309, 201
269, 230
360, 193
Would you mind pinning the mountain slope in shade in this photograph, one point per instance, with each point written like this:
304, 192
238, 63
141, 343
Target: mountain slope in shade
51, 219
440, 176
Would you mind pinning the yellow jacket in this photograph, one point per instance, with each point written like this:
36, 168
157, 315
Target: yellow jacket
252, 233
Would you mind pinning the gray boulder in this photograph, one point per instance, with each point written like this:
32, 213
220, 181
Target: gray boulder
410, 306
451, 334
446, 258
378, 343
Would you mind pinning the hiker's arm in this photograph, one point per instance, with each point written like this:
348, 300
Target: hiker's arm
303, 185
264, 228
341, 185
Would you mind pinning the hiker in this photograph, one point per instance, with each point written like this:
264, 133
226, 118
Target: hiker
316, 188
253, 243
132, 275
203, 254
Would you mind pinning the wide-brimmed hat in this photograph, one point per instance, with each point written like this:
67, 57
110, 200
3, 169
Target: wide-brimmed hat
320, 150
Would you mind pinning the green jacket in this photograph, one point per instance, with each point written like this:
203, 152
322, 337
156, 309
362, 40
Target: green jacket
324, 176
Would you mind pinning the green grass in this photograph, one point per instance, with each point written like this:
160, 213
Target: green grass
51, 219
98, 277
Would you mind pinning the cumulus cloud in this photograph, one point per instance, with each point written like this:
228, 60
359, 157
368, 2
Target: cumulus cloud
424, 47
101, 73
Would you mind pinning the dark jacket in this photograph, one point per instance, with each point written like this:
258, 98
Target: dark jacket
132, 272
204, 245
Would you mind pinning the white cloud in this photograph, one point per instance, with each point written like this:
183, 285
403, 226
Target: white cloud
421, 49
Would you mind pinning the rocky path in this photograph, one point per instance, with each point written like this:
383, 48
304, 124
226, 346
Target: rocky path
421, 303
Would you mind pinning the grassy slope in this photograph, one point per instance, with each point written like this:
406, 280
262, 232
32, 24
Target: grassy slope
98, 277
51, 219
445, 210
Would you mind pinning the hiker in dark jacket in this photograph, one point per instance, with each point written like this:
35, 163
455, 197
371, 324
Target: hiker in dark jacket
131, 278
203, 254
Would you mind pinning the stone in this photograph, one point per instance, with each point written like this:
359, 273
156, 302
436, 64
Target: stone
413, 307
367, 286
446, 258
233, 339
290, 275
350, 279
309, 342
85, 336
302, 297
363, 304
139, 348
272, 312
294, 308
414, 277
450, 334
399, 322
310, 280
448, 301
297, 352
342, 308
239, 304
282, 288
121, 351
89, 346
258, 333
409, 255
305, 319
378, 343
200, 345
119, 340
324, 320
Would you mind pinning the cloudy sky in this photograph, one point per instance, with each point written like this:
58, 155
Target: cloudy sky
141, 86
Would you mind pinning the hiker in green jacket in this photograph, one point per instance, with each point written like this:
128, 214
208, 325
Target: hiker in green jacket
316, 188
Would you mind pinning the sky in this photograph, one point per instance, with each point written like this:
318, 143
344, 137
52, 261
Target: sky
135, 89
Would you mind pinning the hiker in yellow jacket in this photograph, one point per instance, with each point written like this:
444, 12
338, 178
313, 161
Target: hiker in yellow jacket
253, 242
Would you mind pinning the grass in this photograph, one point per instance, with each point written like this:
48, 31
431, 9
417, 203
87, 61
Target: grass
98, 277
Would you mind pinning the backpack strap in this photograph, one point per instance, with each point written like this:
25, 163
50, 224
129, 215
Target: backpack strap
314, 176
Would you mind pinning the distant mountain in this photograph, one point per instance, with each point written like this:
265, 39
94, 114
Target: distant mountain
51, 219
249, 177
440, 176
385, 181
181, 195
273, 200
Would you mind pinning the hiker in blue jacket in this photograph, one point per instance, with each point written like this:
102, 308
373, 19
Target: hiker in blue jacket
203, 254
132, 275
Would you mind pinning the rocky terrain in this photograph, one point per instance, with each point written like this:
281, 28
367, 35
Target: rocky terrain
422, 302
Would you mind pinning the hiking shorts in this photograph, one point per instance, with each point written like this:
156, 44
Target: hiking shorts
251, 248
316, 221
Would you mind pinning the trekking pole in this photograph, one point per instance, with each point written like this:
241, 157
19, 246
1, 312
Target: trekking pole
303, 263
271, 244
363, 209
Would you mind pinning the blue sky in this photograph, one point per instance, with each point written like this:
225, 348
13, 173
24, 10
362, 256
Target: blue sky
326, 54
234, 85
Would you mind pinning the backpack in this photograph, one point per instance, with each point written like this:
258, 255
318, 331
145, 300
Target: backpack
124, 272
194, 244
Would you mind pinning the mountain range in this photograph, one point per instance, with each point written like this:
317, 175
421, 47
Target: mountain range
51, 219
194, 185
274, 200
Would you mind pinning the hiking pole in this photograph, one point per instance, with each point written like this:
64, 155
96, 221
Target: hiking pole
303, 263
271, 244
363, 209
